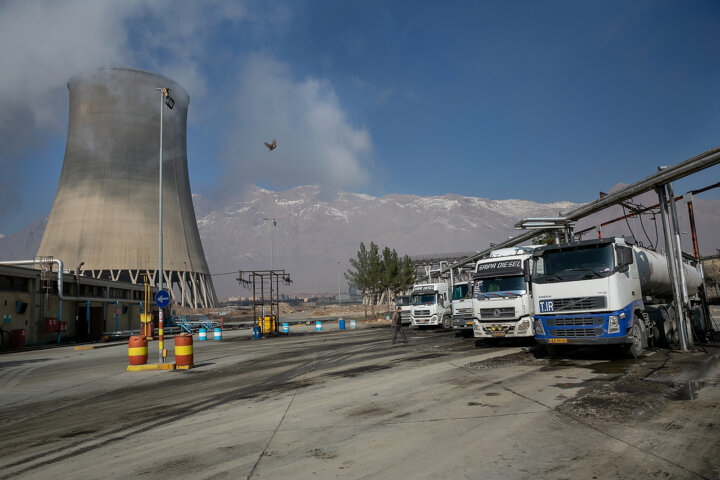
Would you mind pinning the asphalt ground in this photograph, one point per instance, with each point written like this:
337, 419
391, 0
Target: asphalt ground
348, 404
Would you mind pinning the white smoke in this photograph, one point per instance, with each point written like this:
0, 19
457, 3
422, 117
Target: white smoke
43, 43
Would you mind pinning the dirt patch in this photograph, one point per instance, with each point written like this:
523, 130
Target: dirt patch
354, 372
633, 395
519, 358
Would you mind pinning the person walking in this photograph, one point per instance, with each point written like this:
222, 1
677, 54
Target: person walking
397, 326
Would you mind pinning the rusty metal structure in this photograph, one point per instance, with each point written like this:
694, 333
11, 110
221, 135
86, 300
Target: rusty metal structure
105, 214
265, 285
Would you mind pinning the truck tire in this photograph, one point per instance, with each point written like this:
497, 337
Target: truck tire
446, 322
638, 339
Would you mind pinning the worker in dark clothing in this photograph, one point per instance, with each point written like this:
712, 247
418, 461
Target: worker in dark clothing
397, 326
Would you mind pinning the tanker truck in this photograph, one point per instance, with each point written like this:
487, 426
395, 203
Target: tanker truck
501, 305
605, 292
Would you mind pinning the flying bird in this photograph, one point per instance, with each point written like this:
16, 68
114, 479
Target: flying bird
271, 146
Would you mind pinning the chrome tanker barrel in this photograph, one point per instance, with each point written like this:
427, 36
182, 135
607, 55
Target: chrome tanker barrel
105, 213
655, 276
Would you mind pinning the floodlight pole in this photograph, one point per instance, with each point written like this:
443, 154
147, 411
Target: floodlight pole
164, 99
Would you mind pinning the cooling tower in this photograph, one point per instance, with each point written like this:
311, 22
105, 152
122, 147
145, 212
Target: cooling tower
105, 212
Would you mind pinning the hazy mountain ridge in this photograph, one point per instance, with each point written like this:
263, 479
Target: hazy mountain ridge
314, 230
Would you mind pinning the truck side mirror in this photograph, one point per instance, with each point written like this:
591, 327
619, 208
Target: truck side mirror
526, 270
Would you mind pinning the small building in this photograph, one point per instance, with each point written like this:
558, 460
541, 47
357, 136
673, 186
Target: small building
32, 306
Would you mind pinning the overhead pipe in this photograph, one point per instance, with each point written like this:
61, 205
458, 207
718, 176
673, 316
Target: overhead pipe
669, 174
61, 295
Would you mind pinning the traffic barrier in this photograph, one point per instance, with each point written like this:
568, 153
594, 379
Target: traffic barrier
341, 324
352, 324
202, 334
286, 327
318, 326
217, 334
138, 350
184, 351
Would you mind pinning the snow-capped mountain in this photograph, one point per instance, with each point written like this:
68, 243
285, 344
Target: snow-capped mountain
314, 230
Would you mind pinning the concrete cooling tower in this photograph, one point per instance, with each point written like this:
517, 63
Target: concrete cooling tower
105, 213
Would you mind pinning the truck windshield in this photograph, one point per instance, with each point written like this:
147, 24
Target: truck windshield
460, 291
423, 299
575, 264
496, 286
402, 301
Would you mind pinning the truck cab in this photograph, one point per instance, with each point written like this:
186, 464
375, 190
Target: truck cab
403, 301
431, 305
502, 302
462, 308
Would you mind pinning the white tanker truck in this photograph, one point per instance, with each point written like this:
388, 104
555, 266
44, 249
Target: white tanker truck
605, 291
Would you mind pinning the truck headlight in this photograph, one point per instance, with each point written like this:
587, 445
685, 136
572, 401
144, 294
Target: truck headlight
539, 330
613, 324
524, 325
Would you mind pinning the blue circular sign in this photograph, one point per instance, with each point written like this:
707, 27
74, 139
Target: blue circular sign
162, 298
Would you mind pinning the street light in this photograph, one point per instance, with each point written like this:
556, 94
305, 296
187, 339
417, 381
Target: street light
339, 298
165, 100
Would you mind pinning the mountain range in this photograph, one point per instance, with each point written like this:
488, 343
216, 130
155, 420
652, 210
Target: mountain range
306, 231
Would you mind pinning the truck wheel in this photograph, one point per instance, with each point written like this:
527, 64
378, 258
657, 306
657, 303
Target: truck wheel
446, 322
636, 347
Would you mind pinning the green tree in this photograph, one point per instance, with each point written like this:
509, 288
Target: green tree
374, 274
366, 274
390, 273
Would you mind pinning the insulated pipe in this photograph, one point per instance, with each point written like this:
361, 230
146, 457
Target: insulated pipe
688, 197
61, 296
679, 261
669, 174
669, 247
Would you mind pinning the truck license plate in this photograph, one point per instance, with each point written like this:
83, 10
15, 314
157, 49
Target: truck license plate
498, 334
557, 340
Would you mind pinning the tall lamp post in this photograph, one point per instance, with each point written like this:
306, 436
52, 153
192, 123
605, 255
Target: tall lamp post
339, 298
165, 99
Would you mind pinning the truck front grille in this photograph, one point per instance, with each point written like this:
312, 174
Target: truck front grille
496, 313
573, 321
464, 311
579, 303
576, 332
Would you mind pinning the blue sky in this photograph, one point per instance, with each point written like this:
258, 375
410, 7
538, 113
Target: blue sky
542, 101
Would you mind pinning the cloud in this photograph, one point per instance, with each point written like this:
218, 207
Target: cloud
43, 43
316, 142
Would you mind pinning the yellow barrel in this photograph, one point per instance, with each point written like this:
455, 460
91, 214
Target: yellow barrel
138, 350
183, 350
268, 324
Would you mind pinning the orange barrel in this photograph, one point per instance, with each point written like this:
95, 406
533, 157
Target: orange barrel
183, 350
137, 350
